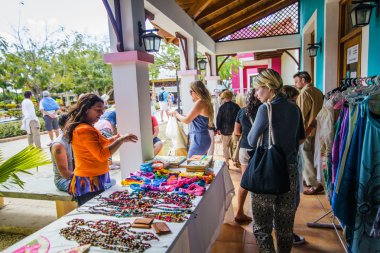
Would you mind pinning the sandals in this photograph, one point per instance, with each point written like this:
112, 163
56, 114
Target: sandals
314, 190
243, 219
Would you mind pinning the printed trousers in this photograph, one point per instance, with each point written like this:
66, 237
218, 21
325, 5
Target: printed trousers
278, 212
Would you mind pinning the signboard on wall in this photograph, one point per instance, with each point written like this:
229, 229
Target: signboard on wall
353, 54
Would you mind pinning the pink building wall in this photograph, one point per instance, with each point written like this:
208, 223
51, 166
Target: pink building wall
249, 70
276, 64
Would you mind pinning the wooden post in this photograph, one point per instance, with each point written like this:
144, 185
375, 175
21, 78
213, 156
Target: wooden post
64, 207
1, 202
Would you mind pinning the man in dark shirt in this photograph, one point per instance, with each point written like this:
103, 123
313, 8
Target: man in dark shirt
225, 122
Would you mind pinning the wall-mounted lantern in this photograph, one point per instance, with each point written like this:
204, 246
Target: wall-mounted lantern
150, 40
313, 48
361, 13
202, 64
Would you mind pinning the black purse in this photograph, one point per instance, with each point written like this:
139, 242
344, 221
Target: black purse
267, 171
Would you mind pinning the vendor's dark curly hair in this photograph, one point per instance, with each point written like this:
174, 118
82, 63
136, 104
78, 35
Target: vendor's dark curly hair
252, 105
77, 113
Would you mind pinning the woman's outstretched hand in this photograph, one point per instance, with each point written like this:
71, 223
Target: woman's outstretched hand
128, 138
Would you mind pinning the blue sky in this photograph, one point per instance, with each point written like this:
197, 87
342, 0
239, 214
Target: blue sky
84, 16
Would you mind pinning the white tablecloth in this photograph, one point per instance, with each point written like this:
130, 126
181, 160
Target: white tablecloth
196, 235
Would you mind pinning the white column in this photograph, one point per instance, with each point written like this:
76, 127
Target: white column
131, 78
187, 76
329, 46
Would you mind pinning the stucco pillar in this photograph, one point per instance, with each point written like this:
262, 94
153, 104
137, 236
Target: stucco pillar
131, 88
187, 75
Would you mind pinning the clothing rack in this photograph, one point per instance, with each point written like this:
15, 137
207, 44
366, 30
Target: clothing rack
353, 82
330, 225
343, 85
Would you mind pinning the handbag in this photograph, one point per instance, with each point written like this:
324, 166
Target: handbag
267, 171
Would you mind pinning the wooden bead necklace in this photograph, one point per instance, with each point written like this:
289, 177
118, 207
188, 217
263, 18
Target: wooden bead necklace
107, 234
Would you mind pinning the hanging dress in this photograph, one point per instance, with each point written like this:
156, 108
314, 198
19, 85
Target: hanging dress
344, 149
345, 203
368, 196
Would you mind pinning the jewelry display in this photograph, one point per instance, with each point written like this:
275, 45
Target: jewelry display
107, 234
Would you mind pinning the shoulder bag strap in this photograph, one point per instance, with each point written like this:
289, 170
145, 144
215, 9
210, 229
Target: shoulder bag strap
260, 140
270, 130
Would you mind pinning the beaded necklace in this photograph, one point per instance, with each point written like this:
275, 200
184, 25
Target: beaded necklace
172, 206
107, 234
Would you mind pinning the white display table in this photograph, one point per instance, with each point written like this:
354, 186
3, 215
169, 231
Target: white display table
197, 234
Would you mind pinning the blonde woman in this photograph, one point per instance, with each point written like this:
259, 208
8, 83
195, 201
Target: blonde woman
200, 119
288, 133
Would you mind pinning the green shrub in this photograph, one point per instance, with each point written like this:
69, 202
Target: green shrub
12, 129
15, 113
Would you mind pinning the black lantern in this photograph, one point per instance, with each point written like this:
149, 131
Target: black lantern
361, 13
151, 40
202, 64
313, 49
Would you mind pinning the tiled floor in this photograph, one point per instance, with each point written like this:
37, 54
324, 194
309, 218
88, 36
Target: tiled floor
235, 238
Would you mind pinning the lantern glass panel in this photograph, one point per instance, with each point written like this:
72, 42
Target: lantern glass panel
202, 64
312, 51
151, 42
363, 16
353, 18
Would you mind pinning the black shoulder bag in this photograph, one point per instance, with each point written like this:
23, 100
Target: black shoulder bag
267, 171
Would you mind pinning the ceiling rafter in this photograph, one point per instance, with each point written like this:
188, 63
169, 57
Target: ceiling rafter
198, 7
182, 2
249, 18
217, 8
187, 6
238, 11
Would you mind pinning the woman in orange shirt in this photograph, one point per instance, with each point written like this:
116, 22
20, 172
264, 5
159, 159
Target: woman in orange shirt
91, 149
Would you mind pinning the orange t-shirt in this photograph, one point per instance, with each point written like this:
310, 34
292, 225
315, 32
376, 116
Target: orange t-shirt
91, 151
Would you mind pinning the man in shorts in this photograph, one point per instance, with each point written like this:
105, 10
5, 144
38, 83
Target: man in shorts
163, 102
49, 108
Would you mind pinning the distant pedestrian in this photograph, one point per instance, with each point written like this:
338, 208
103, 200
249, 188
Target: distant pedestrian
30, 122
49, 108
310, 101
225, 122
163, 102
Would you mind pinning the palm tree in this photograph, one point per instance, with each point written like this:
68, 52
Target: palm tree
28, 158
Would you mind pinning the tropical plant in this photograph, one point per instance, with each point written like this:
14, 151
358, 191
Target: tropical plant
166, 58
28, 158
231, 65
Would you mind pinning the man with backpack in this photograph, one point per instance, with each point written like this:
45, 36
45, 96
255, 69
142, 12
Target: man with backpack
163, 102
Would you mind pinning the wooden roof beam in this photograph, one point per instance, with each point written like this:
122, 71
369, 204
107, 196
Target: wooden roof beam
251, 17
237, 12
198, 7
217, 8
